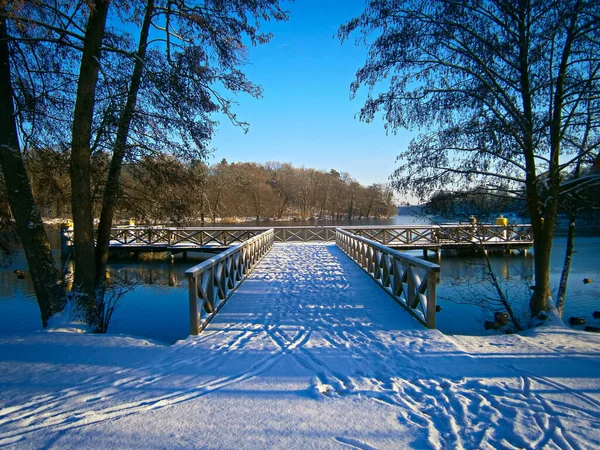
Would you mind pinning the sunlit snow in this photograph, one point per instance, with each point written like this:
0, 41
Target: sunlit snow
308, 353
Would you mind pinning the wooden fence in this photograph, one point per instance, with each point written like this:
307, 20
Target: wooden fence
447, 236
432, 237
212, 282
412, 282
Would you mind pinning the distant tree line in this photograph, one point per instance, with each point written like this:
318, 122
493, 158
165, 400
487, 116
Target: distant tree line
163, 188
486, 203
478, 202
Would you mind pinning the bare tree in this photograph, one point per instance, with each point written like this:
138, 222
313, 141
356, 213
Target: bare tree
45, 276
498, 85
125, 102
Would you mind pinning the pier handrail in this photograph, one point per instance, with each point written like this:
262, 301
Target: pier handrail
397, 273
212, 282
433, 237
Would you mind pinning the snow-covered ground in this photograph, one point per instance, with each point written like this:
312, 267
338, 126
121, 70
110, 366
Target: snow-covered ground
309, 353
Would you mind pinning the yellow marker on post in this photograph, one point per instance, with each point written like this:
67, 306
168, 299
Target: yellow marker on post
503, 221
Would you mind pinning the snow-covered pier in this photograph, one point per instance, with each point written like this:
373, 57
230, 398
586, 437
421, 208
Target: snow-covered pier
408, 280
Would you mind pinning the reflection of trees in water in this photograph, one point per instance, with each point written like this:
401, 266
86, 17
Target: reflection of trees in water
507, 267
468, 281
10, 284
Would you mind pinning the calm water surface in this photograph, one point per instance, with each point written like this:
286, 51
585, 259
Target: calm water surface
157, 308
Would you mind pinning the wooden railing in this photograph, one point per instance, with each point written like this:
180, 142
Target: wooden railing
452, 235
403, 237
181, 237
409, 280
212, 282
305, 234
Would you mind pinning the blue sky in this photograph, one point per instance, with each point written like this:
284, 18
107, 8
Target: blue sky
306, 116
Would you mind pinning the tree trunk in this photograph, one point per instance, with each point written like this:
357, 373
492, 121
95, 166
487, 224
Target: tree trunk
542, 232
282, 208
111, 190
542, 263
542, 249
81, 200
564, 278
44, 274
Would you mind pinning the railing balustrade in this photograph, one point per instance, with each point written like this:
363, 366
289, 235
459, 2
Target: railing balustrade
409, 280
212, 282
452, 235
406, 237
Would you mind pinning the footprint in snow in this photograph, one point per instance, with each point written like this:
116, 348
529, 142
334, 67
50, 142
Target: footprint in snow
355, 443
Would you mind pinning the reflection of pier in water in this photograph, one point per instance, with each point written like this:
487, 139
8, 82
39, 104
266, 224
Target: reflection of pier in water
168, 275
151, 273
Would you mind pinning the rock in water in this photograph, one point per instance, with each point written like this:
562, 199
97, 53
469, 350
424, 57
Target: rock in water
577, 321
587, 280
489, 325
20, 274
501, 317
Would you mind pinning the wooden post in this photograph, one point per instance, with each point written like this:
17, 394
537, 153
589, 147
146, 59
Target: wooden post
65, 248
412, 299
209, 301
425, 253
431, 299
397, 277
193, 296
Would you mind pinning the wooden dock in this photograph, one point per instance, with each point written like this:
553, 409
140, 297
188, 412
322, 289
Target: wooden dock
215, 239
410, 281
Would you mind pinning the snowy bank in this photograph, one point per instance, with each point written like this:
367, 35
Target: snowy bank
297, 365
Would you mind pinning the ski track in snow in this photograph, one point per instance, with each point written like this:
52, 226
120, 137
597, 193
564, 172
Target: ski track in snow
310, 306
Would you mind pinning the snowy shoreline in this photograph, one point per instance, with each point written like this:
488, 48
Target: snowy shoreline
66, 390
301, 361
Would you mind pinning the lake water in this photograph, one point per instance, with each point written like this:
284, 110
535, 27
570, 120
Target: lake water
158, 307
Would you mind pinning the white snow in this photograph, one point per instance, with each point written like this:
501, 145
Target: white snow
308, 353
